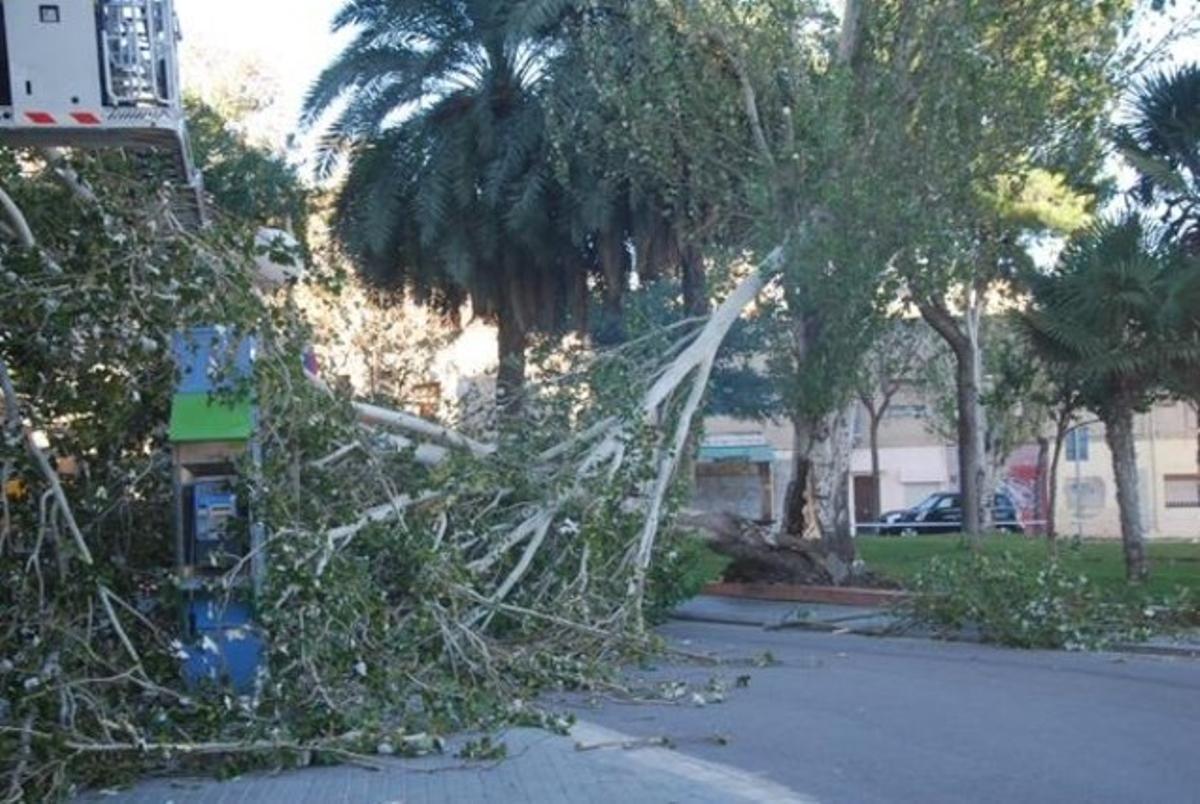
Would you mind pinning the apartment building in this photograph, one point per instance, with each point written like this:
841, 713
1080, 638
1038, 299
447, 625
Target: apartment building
745, 468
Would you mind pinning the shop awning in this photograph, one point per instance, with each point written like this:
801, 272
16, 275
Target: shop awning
741, 453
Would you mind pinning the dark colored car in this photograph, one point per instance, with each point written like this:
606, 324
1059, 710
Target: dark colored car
942, 513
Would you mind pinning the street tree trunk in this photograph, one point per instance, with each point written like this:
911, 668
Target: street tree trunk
981, 465
830, 462
971, 471
876, 470
795, 511
510, 378
1118, 431
967, 349
1041, 489
1196, 407
1062, 426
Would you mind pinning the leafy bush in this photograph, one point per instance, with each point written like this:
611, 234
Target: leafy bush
384, 624
1019, 602
682, 570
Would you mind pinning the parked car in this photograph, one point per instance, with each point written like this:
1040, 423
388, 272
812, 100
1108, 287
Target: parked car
942, 513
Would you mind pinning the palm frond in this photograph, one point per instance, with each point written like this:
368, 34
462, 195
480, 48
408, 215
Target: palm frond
1166, 114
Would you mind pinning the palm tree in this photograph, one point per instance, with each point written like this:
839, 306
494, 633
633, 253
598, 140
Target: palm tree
1098, 315
1181, 311
449, 192
1162, 142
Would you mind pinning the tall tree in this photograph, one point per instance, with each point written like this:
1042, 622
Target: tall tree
889, 365
1182, 312
1029, 121
1161, 141
1098, 314
249, 182
717, 110
638, 197
449, 192
864, 143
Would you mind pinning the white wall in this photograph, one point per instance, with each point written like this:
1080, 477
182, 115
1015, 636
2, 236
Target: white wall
907, 474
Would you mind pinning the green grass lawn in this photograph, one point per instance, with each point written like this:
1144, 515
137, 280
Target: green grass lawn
1172, 564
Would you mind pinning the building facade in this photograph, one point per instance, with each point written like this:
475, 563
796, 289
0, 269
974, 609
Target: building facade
745, 468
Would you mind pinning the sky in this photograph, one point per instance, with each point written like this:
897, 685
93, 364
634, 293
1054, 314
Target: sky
290, 40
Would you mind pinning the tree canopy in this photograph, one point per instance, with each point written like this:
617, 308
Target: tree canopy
449, 191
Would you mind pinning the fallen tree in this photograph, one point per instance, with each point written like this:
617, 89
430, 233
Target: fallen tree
419, 579
760, 554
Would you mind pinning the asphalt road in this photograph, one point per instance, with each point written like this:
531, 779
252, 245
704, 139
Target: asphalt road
860, 719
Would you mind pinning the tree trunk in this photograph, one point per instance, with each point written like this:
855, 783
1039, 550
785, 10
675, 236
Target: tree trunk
830, 464
611, 331
1196, 407
614, 264
1060, 437
757, 558
876, 472
510, 378
795, 516
966, 349
985, 480
971, 471
1041, 476
1118, 431
695, 303
695, 289
851, 30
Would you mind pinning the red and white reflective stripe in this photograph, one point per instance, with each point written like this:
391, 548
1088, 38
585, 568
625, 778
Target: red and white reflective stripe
47, 119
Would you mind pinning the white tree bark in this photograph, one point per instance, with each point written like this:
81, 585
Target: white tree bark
984, 477
830, 458
375, 415
661, 404
698, 357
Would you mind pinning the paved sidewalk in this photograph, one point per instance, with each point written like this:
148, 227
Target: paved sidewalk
540, 767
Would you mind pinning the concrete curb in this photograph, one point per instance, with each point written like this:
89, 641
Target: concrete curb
1177, 651
777, 615
901, 629
794, 593
831, 628
687, 616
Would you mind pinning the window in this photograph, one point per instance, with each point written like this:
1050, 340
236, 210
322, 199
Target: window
1182, 491
948, 502
1077, 445
916, 493
49, 14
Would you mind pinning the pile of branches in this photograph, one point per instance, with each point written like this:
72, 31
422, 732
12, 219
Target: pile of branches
419, 578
